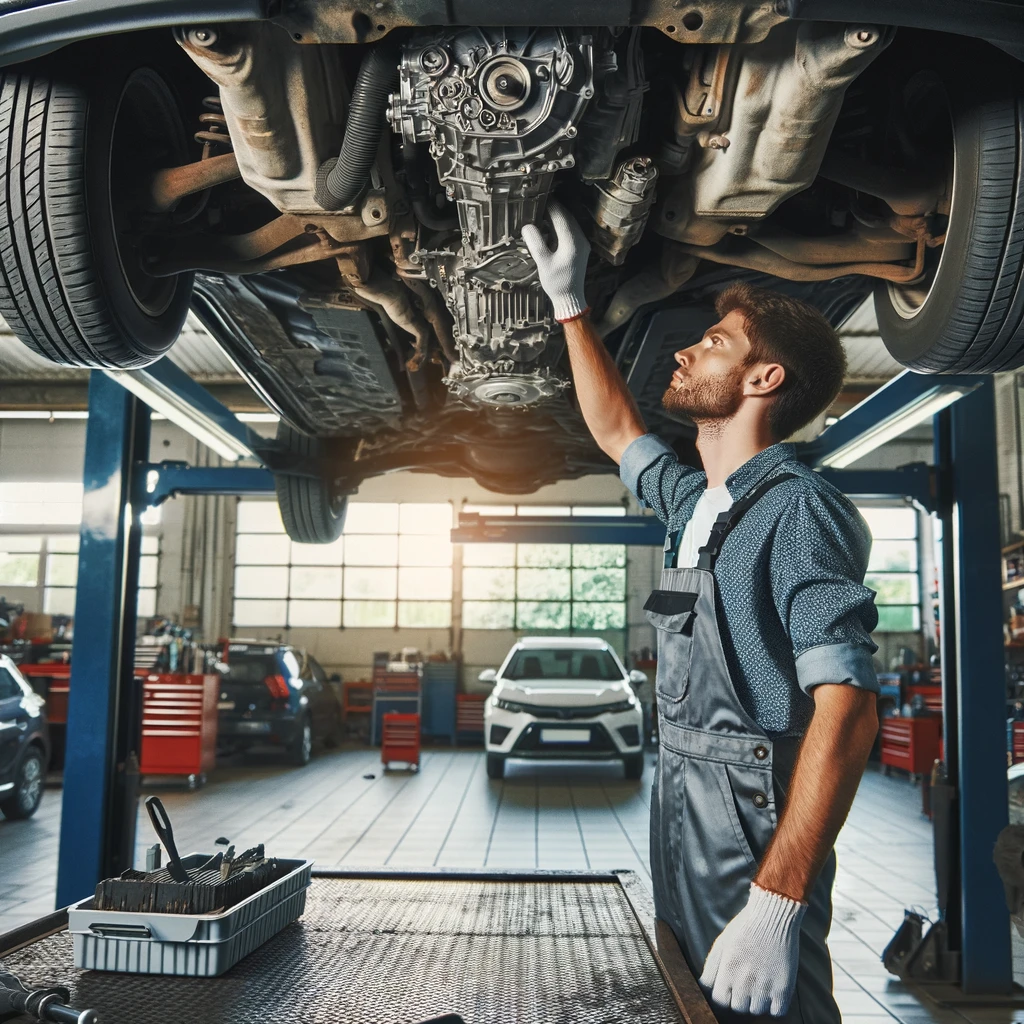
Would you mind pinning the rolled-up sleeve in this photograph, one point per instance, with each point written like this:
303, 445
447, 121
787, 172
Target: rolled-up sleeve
819, 557
652, 472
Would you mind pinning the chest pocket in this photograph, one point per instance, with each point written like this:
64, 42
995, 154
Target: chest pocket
672, 613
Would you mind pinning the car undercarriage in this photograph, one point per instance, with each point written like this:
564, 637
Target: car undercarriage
339, 195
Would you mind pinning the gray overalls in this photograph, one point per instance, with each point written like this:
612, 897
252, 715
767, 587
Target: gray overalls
720, 782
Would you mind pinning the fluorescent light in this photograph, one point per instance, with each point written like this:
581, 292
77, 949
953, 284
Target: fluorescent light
257, 417
43, 414
922, 409
164, 400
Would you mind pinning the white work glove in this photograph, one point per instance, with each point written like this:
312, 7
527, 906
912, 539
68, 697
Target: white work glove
752, 964
561, 271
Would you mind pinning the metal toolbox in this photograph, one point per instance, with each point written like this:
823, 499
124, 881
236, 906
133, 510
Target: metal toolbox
193, 945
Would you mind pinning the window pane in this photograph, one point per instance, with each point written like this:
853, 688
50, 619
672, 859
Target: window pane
598, 584
542, 615
898, 619
545, 510
484, 584
319, 554
596, 556
545, 554
893, 588
151, 516
425, 584
68, 542
21, 570
314, 613
13, 544
148, 570
369, 613
422, 614
379, 584
423, 517
488, 554
259, 517
370, 550
61, 570
488, 615
265, 549
260, 613
598, 510
59, 600
310, 581
371, 517
146, 606
894, 555
590, 615
425, 550
891, 523
150, 544
261, 582
543, 584
61, 513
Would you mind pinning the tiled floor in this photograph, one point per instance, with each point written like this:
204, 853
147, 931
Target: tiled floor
342, 809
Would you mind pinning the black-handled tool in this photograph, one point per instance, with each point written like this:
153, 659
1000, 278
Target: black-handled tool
162, 827
48, 1004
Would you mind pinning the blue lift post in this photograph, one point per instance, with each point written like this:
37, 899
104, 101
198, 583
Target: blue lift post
101, 769
980, 689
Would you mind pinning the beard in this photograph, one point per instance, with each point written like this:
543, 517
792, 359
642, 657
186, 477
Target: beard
711, 398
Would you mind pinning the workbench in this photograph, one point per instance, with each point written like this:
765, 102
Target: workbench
399, 948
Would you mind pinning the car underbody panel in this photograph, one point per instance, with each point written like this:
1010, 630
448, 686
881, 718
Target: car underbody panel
361, 179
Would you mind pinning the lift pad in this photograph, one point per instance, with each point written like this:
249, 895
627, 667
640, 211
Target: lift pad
379, 948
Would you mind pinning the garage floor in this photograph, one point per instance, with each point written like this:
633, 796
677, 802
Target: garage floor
553, 816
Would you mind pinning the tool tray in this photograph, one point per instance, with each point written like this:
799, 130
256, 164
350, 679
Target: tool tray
204, 893
191, 944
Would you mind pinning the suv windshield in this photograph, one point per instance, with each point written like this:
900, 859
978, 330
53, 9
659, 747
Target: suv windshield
563, 663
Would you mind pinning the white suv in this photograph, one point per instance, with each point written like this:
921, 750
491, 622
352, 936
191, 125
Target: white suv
563, 697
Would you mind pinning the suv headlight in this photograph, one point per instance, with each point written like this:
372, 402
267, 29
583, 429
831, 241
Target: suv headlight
622, 705
507, 705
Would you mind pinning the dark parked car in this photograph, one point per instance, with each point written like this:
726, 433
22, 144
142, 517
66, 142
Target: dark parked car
273, 694
24, 743
346, 221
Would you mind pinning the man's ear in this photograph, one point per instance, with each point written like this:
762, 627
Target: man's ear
764, 379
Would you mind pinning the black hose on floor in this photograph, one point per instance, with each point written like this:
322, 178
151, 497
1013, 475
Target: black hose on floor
340, 180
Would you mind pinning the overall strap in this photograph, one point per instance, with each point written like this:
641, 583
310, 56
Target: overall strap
672, 549
725, 522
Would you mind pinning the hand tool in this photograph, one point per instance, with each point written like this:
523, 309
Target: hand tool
46, 1004
162, 827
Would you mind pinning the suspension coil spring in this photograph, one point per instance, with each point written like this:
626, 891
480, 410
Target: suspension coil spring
215, 126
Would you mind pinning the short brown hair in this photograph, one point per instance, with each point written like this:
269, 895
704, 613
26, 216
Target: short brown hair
794, 334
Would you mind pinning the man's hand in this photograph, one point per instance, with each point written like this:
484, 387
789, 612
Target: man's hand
604, 400
752, 965
561, 270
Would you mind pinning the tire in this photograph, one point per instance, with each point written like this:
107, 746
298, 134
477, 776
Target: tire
28, 787
73, 149
311, 510
968, 314
633, 766
495, 766
300, 750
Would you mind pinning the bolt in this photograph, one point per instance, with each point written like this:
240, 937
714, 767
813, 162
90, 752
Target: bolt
862, 37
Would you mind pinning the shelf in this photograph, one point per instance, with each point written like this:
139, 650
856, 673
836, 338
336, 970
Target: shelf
1017, 545
1014, 584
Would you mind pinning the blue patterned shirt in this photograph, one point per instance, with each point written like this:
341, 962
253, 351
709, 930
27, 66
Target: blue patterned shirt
794, 611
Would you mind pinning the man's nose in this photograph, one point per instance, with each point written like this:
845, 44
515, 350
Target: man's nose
683, 356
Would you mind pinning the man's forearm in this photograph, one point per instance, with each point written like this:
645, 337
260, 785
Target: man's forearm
608, 408
825, 779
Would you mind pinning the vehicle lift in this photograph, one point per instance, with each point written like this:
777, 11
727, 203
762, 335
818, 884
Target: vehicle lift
101, 776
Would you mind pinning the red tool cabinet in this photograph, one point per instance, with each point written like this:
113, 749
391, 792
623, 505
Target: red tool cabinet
911, 743
179, 724
400, 739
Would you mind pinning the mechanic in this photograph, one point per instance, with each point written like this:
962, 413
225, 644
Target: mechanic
765, 685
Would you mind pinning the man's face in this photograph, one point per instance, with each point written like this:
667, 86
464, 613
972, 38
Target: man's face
708, 383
